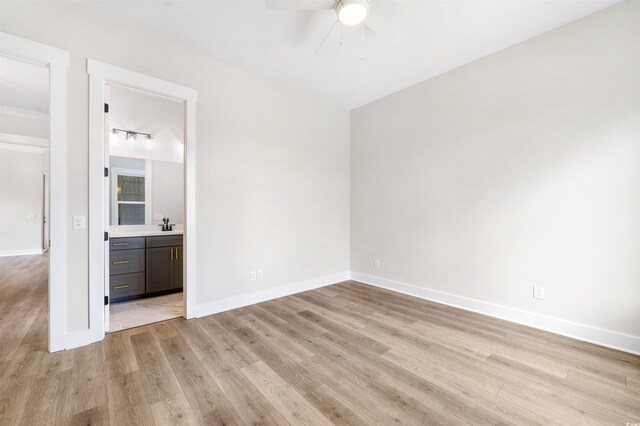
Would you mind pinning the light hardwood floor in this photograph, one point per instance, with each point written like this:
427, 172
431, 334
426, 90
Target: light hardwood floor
344, 354
137, 312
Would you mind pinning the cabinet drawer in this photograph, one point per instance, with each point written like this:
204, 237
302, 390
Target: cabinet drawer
126, 243
126, 285
164, 241
126, 261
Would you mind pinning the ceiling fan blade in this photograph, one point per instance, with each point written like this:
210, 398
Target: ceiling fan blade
385, 27
300, 4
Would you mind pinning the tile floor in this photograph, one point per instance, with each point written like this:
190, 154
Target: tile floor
134, 313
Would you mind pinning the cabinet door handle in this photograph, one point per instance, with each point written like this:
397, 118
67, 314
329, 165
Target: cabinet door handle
171, 251
120, 262
118, 287
120, 244
177, 254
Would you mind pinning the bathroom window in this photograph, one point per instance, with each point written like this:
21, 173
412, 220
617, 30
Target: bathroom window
130, 199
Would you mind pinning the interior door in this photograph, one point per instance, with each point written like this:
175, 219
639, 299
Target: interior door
45, 212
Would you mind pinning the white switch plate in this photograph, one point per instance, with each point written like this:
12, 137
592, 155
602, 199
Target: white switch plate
259, 274
253, 275
78, 222
376, 263
31, 216
538, 292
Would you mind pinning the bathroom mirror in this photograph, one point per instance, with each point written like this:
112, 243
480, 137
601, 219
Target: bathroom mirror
146, 173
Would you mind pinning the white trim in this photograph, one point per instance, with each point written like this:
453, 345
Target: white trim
24, 140
100, 74
25, 113
22, 148
234, 302
58, 61
148, 192
144, 82
587, 333
113, 204
21, 252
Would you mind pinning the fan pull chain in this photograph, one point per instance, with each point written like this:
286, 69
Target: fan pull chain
341, 31
362, 44
325, 37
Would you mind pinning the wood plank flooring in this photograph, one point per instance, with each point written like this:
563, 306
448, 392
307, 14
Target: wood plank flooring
344, 354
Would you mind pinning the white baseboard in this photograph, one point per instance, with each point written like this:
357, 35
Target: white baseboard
22, 252
226, 304
611, 339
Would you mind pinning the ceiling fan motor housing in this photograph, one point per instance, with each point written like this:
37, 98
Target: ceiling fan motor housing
352, 12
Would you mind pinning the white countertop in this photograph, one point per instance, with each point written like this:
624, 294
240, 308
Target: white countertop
142, 231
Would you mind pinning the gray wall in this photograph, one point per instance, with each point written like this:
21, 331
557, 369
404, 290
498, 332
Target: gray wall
272, 165
520, 168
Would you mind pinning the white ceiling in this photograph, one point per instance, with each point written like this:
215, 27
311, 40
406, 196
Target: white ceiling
279, 45
24, 86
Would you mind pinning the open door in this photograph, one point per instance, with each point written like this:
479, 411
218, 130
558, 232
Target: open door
45, 212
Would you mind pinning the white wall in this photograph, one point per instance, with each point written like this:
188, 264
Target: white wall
272, 167
25, 126
520, 168
168, 190
144, 112
20, 201
126, 162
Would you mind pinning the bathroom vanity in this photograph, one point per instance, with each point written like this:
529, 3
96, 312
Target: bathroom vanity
145, 264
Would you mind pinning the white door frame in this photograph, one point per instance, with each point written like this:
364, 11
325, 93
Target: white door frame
100, 74
58, 61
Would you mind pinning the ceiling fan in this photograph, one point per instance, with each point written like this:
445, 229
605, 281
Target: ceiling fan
349, 12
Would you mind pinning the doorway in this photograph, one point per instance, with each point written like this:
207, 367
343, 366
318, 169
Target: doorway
168, 257
32, 144
144, 140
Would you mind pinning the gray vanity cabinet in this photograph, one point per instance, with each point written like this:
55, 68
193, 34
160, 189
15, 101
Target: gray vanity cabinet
159, 269
142, 266
126, 268
164, 263
178, 268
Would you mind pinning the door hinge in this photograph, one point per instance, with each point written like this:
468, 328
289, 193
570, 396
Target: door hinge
106, 172
106, 108
106, 236
106, 300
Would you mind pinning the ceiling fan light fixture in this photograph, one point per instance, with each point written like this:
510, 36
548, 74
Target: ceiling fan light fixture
352, 12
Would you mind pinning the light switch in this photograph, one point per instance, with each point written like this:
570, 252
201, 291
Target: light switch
31, 216
78, 222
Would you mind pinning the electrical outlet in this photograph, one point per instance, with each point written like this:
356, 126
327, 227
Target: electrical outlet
259, 274
376, 263
78, 222
538, 292
253, 275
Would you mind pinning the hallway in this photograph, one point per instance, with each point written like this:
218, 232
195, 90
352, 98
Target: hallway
23, 304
